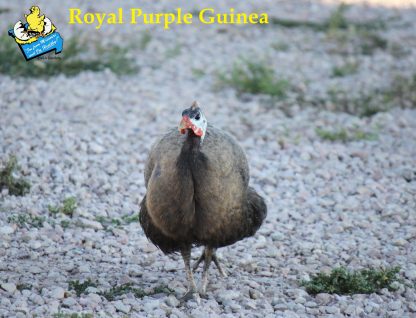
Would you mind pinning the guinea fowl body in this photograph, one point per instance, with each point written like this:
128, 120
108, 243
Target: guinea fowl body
198, 193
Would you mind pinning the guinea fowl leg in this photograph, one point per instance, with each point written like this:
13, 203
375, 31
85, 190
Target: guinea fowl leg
208, 251
199, 261
218, 264
214, 258
192, 290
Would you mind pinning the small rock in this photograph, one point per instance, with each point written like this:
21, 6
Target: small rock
323, 298
36, 299
400, 242
310, 304
57, 174
6, 230
111, 168
151, 305
332, 310
171, 266
57, 293
35, 270
96, 148
300, 300
350, 310
228, 295
172, 301
122, 307
84, 268
235, 308
411, 274
395, 305
91, 224
9, 287
91, 290
254, 294
360, 154
290, 314
93, 297
35, 245
69, 302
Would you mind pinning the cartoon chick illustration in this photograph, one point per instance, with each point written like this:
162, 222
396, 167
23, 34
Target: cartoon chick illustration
37, 25
35, 20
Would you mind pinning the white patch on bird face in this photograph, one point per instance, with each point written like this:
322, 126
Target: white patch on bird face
200, 124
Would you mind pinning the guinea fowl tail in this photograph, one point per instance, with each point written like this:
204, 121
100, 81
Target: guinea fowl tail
257, 211
166, 244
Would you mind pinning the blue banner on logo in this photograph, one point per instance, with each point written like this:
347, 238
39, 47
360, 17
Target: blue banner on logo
51, 42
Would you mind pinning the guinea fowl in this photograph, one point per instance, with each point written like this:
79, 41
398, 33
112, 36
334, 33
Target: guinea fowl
198, 194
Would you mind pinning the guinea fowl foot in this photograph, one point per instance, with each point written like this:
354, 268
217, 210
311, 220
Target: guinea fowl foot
191, 294
214, 259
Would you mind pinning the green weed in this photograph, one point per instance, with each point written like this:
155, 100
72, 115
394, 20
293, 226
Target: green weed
173, 51
115, 58
365, 104
23, 286
61, 314
65, 224
70, 62
402, 92
26, 220
343, 282
280, 46
370, 42
108, 223
68, 207
80, 287
345, 135
145, 40
346, 69
198, 73
120, 290
16, 186
254, 78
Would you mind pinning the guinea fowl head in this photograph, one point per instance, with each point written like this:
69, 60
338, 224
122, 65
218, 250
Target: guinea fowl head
193, 121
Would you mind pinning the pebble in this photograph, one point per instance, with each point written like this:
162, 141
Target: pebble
96, 148
172, 301
69, 302
323, 298
122, 307
6, 230
9, 287
57, 293
395, 305
332, 309
91, 224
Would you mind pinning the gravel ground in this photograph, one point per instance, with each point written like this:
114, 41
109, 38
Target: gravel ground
330, 203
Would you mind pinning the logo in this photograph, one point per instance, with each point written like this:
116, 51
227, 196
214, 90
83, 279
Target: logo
37, 36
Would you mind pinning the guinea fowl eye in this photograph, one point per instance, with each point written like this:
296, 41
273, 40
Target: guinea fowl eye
197, 117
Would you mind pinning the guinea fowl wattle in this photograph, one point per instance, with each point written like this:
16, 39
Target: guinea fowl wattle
198, 194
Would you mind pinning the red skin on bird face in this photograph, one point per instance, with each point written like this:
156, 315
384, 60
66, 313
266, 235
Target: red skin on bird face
186, 123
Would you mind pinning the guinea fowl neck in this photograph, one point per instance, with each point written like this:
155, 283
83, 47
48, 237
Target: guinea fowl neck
189, 152
192, 142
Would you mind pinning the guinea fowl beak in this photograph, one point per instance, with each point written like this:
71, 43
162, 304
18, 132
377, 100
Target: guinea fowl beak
186, 123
